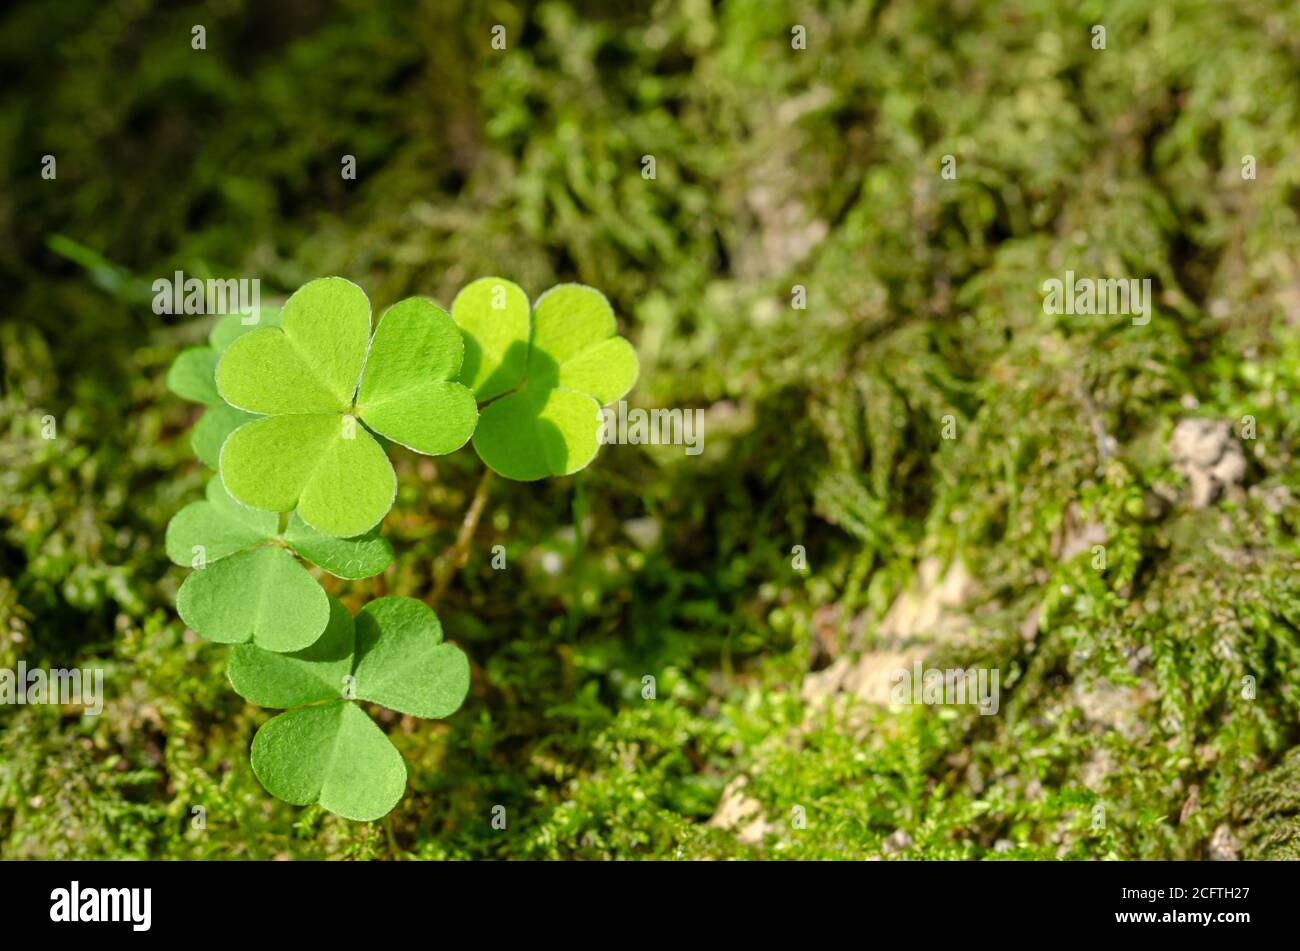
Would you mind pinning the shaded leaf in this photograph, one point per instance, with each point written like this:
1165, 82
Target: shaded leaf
360, 557
192, 376
219, 525
402, 662
230, 328
332, 754
262, 595
534, 434
311, 675
217, 422
494, 315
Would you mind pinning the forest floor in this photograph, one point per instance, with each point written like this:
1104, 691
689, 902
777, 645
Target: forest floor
908, 462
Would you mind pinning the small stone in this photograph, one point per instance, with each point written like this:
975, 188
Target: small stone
1199, 442
735, 809
897, 841
824, 683
1209, 456
1223, 846
644, 532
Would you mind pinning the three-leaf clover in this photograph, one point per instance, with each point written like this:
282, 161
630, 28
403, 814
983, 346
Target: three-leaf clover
544, 376
193, 376
247, 586
299, 415
321, 382
325, 748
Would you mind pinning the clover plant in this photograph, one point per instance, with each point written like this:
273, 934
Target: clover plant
544, 375
318, 374
193, 376
325, 748
247, 585
300, 412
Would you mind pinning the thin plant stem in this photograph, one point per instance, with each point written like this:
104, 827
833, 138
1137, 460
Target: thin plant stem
392, 838
455, 557
579, 546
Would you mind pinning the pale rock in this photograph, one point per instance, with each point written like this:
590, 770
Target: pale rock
1209, 456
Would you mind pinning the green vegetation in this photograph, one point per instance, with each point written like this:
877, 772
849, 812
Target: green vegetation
1123, 686
299, 476
326, 749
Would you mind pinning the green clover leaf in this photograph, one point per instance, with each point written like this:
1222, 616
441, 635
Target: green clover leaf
193, 376
547, 378
230, 328
493, 314
319, 375
326, 749
247, 585
210, 432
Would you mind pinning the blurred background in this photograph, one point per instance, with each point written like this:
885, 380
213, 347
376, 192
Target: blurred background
829, 532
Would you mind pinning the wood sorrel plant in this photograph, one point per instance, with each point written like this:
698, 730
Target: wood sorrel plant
299, 413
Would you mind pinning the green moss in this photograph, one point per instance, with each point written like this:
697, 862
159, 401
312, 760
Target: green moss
774, 168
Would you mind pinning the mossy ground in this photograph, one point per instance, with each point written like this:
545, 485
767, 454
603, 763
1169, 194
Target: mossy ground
774, 167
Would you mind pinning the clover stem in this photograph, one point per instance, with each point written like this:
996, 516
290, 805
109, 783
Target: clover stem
456, 556
392, 837
579, 514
